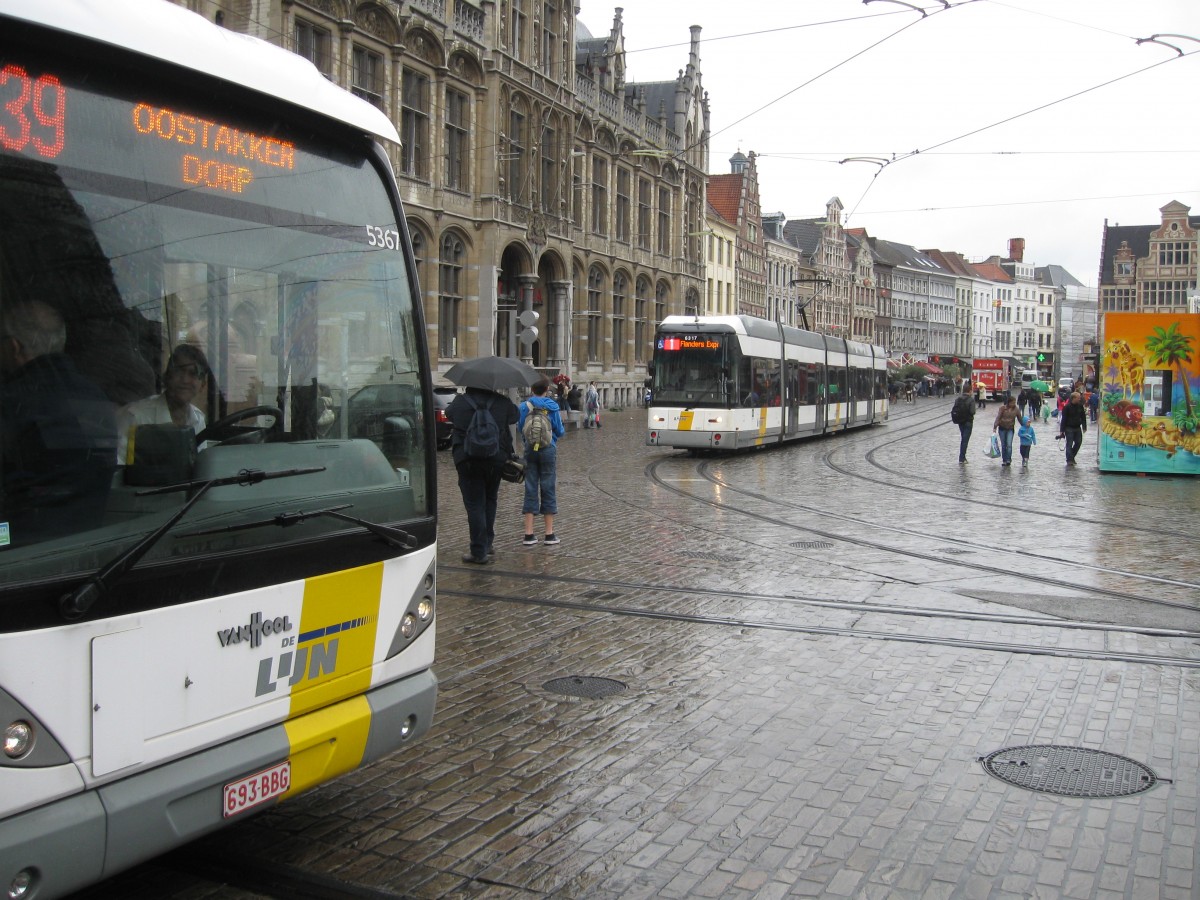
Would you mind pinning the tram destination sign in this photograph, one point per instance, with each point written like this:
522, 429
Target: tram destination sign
688, 342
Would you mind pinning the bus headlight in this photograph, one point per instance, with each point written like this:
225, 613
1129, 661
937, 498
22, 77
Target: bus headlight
20, 884
408, 625
18, 739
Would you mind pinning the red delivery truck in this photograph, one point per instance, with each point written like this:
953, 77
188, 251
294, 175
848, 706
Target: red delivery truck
993, 374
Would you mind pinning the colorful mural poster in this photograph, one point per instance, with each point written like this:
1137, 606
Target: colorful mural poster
1149, 410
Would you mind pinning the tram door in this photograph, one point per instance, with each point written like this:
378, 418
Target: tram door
791, 397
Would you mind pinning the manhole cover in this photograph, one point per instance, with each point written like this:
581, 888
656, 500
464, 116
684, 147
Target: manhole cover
812, 545
1070, 771
584, 686
711, 557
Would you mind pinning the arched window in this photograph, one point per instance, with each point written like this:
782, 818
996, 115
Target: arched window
595, 311
450, 271
620, 292
641, 312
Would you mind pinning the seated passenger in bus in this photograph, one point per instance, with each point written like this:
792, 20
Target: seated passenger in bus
58, 433
184, 380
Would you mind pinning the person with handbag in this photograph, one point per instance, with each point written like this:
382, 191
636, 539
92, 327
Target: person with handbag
1006, 426
541, 426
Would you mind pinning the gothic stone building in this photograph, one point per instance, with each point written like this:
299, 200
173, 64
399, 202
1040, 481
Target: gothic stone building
536, 175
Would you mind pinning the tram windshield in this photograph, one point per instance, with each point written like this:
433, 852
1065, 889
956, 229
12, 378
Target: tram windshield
187, 291
710, 370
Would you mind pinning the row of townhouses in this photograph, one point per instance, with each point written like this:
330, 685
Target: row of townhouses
539, 178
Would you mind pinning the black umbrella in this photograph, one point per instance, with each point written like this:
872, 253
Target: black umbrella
493, 373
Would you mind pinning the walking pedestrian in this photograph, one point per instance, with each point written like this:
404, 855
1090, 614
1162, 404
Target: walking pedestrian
1028, 437
1006, 425
962, 413
479, 478
591, 403
1035, 404
1094, 404
1072, 423
541, 426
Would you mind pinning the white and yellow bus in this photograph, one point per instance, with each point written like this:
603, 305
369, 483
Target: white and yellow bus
217, 573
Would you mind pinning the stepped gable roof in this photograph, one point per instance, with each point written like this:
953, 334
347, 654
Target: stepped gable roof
725, 195
1056, 276
991, 270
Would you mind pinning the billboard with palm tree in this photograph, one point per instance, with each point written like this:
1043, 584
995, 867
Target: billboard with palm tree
1148, 418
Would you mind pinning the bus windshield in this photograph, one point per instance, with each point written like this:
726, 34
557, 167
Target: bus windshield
189, 290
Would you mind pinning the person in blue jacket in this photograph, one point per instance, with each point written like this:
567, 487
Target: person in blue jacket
541, 459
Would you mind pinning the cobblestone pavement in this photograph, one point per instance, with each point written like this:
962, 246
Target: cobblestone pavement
818, 645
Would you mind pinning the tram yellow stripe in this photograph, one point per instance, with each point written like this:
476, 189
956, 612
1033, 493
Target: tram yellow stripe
327, 743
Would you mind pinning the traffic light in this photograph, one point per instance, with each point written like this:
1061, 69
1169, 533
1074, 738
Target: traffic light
529, 331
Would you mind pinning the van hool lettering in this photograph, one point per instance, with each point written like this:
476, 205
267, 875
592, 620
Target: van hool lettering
255, 631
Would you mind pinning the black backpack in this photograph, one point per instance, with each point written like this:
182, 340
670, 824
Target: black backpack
961, 410
482, 439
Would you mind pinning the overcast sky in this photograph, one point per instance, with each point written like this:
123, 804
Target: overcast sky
979, 89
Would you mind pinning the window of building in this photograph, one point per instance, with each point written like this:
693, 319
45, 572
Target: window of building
620, 290
551, 187
367, 76
595, 297
577, 168
1174, 253
599, 196
549, 39
624, 203
414, 124
313, 44
664, 221
641, 309
660, 303
645, 194
515, 155
458, 142
450, 297
516, 29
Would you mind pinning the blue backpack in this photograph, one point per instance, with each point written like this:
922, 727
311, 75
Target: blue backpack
482, 439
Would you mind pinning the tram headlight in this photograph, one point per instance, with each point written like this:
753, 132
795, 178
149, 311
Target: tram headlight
18, 739
425, 609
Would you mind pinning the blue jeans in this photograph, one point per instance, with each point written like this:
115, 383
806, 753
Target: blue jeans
479, 485
540, 473
964, 430
1006, 439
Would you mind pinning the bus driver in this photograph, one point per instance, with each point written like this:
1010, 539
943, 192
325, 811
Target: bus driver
184, 379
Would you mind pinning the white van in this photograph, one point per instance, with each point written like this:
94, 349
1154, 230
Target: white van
1028, 377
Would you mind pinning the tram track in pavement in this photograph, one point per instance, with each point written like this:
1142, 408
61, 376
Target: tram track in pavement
531, 583
932, 423
1008, 571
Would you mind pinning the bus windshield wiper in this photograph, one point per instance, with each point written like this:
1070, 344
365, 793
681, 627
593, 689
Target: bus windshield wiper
74, 604
393, 536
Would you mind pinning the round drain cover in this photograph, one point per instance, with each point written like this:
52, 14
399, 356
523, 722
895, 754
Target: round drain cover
1070, 771
584, 686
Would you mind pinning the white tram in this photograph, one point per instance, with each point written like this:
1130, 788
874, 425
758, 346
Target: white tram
731, 382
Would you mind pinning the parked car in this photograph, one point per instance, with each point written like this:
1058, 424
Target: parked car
441, 399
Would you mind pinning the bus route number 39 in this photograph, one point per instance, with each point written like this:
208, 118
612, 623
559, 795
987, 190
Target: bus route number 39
258, 788
383, 237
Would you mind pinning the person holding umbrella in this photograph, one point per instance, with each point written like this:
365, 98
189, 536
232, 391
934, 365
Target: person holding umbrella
479, 477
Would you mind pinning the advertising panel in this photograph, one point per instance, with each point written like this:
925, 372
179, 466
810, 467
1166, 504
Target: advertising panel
1149, 420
